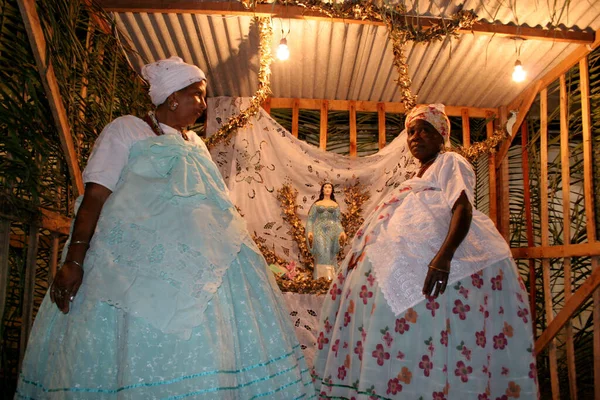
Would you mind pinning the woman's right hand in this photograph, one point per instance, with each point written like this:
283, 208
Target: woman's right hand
65, 285
310, 239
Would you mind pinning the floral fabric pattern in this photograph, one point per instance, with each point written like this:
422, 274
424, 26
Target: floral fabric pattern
471, 341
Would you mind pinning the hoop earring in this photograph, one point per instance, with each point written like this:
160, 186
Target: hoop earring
174, 106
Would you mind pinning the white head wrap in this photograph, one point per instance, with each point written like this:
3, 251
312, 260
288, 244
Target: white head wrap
435, 114
168, 76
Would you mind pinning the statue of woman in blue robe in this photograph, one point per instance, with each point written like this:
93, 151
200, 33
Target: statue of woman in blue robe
325, 232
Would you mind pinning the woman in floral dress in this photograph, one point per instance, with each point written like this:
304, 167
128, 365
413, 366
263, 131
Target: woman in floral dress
429, 303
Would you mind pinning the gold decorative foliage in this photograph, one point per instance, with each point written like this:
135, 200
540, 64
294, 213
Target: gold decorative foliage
287, 199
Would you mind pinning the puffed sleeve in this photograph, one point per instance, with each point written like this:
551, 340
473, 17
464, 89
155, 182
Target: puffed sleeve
110, 153
455, 176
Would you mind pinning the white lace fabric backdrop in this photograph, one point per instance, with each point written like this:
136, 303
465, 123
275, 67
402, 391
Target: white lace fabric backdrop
263, 156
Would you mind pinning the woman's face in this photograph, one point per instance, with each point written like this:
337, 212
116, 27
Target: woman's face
192, 102
327, 189
424, 142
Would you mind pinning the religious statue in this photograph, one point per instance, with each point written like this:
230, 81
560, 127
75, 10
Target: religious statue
325, 233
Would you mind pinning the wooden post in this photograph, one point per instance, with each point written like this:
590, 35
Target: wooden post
528, 221
381, 124
28, 289
502, 188
267, 105
566, 193
466, 128
588, 184
4, 266
32, 24
295, 117
544, 239
352, 110
323, 132
492, 171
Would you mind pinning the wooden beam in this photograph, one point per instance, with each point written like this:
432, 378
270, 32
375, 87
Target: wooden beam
28, 289
295, 117
466, 128
503, 189
381, 124
323, 130
588, 184
55, 222
571, 250
390, 107
571, 306
492, 171
4, 265
523, 109
353, 138
296, 12
566, 203
38, 45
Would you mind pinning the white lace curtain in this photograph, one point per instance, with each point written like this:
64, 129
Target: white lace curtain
263, 156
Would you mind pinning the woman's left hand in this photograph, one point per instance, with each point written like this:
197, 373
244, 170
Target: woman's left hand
437, 277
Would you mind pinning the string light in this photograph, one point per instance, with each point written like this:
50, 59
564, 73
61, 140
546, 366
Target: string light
519, 74
283, 52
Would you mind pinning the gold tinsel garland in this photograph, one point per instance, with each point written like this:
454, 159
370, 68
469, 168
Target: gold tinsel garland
355, 196
488, 146
262, 93
287, 200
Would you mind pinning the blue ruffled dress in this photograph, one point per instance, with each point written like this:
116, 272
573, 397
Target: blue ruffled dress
176, 301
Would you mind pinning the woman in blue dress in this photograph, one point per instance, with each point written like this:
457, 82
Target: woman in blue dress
325, 232
162, 293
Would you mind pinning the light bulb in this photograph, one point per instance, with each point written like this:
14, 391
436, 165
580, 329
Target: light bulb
283, 52
519, 74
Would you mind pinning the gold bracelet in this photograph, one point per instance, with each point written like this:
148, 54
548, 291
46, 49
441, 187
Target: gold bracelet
437, 269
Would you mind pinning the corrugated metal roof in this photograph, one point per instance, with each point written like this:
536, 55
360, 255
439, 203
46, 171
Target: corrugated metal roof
334, 60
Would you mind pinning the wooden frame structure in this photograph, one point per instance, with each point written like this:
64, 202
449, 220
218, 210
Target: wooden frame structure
499, 194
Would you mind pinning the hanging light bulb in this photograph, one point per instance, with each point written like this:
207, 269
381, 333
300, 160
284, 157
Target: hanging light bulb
283, 52
519, 74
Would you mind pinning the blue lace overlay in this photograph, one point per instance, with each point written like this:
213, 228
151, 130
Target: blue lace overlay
176, 301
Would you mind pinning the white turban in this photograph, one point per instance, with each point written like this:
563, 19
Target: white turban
168, 76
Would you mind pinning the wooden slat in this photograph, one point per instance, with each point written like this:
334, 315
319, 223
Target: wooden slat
528, 222
28, 288
381, 124
38, 45
353, 138
323, 130
53, 258
588, 184
566, 194
523, 109
466, 127
571, 306
295, 116
296, 12
4, 265
573, 250
544, 239
372, 106
492, 171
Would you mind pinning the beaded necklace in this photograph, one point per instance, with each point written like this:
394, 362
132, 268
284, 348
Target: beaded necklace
151, 120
